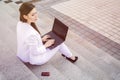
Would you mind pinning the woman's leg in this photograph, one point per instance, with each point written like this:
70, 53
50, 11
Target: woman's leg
50, 53
64, 50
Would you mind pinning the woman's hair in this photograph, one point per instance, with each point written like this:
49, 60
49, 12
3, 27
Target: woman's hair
25, 9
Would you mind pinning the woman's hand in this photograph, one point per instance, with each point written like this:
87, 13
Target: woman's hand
45, 38
49, 43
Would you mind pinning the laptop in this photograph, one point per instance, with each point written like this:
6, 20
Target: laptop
58, 32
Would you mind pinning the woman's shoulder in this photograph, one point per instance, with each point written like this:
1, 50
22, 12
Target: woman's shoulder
20, 23
26, 28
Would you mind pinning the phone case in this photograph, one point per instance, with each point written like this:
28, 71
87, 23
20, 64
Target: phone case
45, 74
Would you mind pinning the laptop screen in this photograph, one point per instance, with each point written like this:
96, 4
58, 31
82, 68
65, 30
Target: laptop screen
60, 29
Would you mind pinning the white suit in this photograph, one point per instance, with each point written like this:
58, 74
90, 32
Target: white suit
30, 47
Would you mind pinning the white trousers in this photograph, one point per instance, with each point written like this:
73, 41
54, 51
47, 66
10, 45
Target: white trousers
62, 48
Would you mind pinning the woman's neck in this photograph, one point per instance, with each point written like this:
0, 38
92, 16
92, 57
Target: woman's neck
29, 22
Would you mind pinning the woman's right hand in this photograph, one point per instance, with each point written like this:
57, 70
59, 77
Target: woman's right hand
49, 43
45, 38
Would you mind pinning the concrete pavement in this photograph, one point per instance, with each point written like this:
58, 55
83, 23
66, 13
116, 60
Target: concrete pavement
96, 62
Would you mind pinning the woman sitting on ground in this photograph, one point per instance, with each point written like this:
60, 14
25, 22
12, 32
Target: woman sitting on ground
30, 47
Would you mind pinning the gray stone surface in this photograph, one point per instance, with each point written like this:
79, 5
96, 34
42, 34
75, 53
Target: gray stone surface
2, 77
55, 74
103, 64
93, 63
11, 68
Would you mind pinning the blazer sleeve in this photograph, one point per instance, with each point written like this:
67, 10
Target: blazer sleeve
35, 45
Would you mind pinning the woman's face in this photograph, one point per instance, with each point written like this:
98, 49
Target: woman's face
32, 16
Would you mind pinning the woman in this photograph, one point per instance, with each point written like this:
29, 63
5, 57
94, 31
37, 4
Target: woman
30, 43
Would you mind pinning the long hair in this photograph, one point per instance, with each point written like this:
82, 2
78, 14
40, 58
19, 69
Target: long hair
25, 9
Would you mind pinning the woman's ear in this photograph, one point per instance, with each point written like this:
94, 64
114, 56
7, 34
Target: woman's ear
25, 17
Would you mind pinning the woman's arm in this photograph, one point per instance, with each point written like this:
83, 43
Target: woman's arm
35, 46
45, 38
47, 41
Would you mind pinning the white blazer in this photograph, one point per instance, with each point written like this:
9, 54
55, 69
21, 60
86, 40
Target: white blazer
29, 44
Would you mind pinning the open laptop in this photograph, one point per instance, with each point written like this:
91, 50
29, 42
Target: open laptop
58, 32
